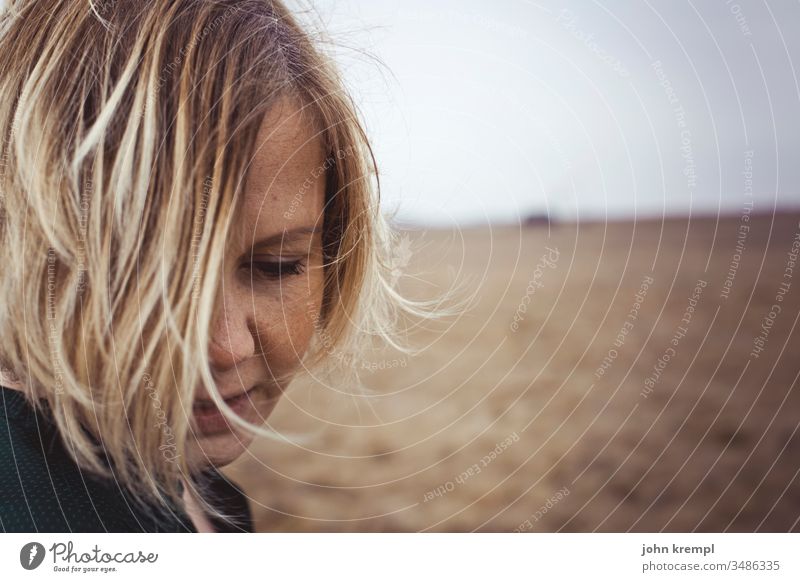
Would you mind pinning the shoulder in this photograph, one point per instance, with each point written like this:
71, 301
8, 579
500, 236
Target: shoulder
43, 490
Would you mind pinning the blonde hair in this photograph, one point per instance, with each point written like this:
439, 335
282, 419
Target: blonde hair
127, 128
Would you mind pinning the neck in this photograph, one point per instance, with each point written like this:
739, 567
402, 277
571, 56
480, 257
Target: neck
195, 512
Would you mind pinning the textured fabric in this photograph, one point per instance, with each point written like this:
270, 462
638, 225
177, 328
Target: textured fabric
43, 490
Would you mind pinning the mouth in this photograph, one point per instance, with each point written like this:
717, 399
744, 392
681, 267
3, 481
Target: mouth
210, 418
204, 406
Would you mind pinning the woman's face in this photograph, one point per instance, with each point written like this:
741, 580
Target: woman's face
271, 286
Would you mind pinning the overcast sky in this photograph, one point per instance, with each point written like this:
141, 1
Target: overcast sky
484, 111
495, 110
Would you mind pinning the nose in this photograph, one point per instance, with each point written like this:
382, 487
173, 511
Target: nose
232, 333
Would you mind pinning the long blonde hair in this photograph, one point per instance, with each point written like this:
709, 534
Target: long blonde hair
127, 128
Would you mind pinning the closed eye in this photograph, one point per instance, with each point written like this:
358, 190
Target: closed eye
274, 270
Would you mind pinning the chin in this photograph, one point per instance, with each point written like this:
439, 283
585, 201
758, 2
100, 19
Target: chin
218, 450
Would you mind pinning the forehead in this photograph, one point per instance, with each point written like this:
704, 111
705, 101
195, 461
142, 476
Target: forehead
285, 186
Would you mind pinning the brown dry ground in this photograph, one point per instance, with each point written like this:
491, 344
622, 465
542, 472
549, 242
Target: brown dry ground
715, 446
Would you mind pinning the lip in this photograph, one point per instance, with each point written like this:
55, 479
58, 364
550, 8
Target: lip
207, 401
209, 417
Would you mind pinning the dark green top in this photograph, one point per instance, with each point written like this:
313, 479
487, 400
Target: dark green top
42, 490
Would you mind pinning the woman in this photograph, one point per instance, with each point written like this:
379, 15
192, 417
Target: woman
188, 205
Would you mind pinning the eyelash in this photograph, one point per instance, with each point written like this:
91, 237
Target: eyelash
273, 270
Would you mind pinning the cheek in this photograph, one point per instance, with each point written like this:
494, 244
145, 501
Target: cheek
287, 322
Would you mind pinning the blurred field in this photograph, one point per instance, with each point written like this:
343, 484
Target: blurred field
713, 446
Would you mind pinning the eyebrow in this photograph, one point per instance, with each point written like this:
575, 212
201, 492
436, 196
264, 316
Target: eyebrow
285, 236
